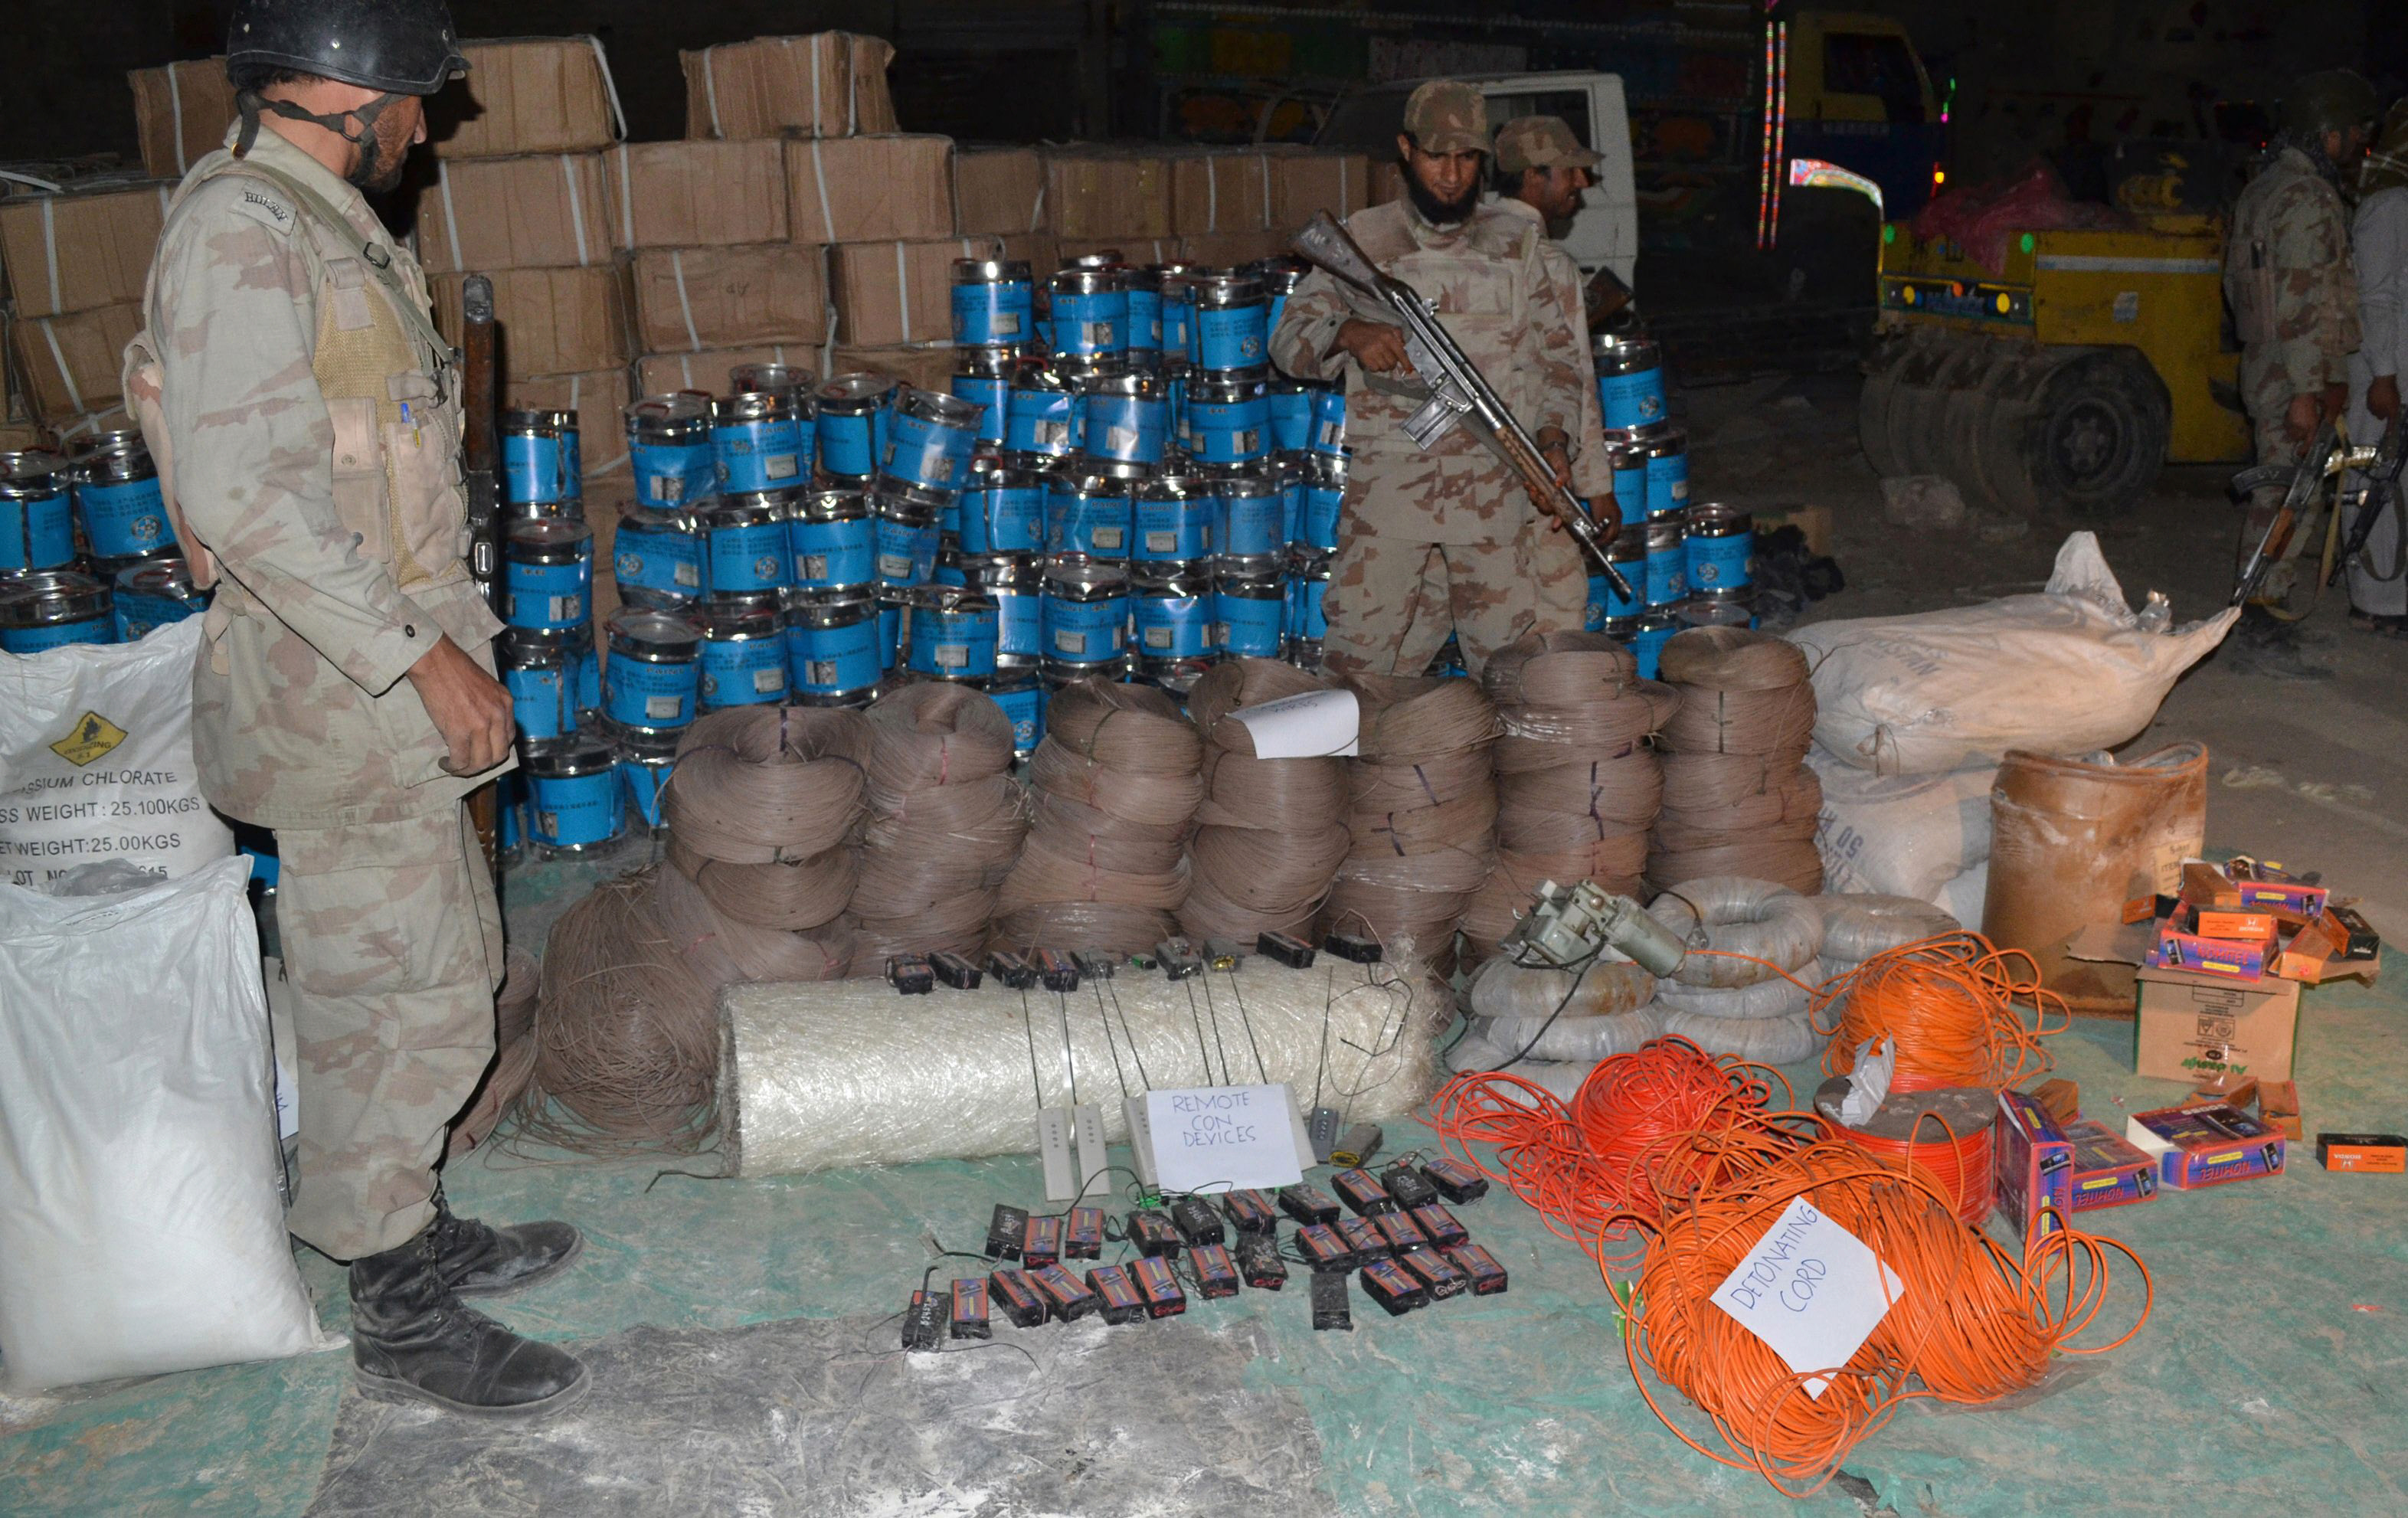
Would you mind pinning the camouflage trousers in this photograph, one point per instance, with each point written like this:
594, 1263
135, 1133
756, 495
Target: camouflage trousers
2267, 394
393, 948
1391, 601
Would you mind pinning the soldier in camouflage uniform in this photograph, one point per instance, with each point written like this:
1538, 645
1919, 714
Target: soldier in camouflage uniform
307, 417
1542, 173
2294, 295
1448, 540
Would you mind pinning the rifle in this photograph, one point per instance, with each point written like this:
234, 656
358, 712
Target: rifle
2382, 473
1458, 394
481, 488
2307, 479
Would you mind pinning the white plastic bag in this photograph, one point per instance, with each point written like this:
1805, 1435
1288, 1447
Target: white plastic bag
96, 759
139, 1226
2068, 671
1900, 835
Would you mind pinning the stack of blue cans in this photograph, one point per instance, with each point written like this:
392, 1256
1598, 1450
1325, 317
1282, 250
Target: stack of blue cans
87, 553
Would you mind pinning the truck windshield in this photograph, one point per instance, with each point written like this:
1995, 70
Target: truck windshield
1571, 105
1860, 63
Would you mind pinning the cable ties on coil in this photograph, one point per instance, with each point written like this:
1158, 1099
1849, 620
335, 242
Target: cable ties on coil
1426, 790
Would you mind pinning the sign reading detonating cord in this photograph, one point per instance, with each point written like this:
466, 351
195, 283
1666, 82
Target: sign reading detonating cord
1811, 1290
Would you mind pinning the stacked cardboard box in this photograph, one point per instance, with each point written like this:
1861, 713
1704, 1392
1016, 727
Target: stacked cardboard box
1219, 206
76, 262
832, 84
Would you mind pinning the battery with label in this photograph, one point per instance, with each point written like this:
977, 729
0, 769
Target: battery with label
1324, 1247
1393, 1289
1436, 1275
1216, 1274
1083, 1236
1402, 1232
1407, 1186
1361, 1190
969, 1309
1197, 1222
1487, 1276
1259, 1262
1041, 1242
1116, 1297
1007, 1232
1367, 1243
1439, 1224
1011, 1292
2107, 1171
1067, 1297
1152, 1233
1160, 1286
1457, 1183
1307, 1204
1250, 1213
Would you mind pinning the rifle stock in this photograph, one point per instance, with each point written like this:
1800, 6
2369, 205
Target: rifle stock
480, 469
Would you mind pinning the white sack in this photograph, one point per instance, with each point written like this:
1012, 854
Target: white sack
1900, 835
96, 759
2065, 671
139, 1226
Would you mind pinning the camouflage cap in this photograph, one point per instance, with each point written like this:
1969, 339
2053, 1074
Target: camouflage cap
1445, 116
2334, 100
1540, 142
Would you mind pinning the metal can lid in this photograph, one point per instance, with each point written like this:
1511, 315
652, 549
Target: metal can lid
551, 534
659, 629
51, 596
579, 753
854, 393
990, 271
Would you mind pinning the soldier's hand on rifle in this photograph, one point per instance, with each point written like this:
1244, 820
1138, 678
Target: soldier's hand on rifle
2383, 397
2333, 404
1555, 448
1375, 345
468, 707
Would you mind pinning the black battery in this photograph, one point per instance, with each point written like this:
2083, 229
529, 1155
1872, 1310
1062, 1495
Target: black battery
1216, 1274
1457, 1183
1307, 1204
1224, 955
1179, 959
954, 970
1330, 1308
924, 1327
1116, 1297
1259, 1262
1354, 946
1357, 1145
1083, 1236
910, 975
1438, 1277
1402, 1232
1361, 1190
969, 1309
1095, 963
1056, 970
1010, 1291
1250, 1213
1041, 1244
1197, 1222
1065, 1296
1159, 1285
1368, 1242
1409, 1186
1007, 1232
1010, 969
1439, 1224
1154, 1234
1393, 1288
1487, 1276
1293, 952
1324, 1247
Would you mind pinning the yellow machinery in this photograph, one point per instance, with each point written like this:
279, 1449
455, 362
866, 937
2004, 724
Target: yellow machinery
2065, 380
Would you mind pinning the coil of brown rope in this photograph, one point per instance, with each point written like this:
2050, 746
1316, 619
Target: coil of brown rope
1737, 798
1270, 833
946, 820
1422, 817
762, 785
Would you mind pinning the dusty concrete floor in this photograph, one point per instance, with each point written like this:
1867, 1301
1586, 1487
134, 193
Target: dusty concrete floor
2266, 1381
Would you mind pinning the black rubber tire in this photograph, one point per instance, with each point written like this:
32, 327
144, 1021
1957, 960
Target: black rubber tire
1962, 404
1976, 423
1914, 416
1873, 404
2095, 439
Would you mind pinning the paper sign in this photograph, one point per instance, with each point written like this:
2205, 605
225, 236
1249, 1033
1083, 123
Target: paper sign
1315, 724
1811, 1290
1223, 1138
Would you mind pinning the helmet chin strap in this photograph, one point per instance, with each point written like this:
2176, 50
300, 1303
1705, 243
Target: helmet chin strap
251, 102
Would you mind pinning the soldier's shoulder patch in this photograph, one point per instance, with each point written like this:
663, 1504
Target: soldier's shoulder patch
238, 194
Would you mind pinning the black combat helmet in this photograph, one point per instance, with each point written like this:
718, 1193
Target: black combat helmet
401, 46
2334, 100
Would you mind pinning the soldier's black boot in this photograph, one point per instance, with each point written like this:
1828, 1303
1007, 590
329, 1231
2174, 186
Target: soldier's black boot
477, 1259
413, 1340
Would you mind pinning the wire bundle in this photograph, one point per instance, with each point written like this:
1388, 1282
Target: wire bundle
1577, 784
1745, 986
1420, 814
764, 808
1971, 1323
1269, 834
1950, 1005
1118, 779
1737, 797
946, 820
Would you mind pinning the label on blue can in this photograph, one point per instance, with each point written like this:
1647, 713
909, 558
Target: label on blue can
1248, 625
1631, 400
124, 519
954, 642
1329, 420
58, 635
1230, 338
1019, 624
742, 671
1291, 421
1631, 488
1004, 519
1306, 616
139, 613
576, 812
1173, 626
833, 661
998, 313
1177, 319
1144, 321
1322, 507
1131, 429
1042, 421
1718, 564
37, 534
1096, 526
585, 679
657, 559
642, 783
1179, 528
552, 598
540, 701
1084, 631
992, 392
640, 694
1025, 706
1667, 578
1085, 324
906, 552
673, 474
890, 635
833, 554
745, 557
1667, 485
847, 444
535, 469
926, 454
759, 455
1253, 526
1226, 432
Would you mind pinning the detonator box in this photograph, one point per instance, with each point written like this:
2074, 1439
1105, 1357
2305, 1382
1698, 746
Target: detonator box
2195, 1027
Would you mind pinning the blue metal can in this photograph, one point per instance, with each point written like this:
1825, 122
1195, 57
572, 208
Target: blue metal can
852, 428
657, 558
995, 302
1002, 510
538, 669
1289, 411
1329, 420
1086, 615
1308, 582
1015, 584
761, 440
1172, 607
1668, 570
1324, 501
929, 439
743, 652
37, 512
116, 494
575, 803
832, 653
1254, 516
645, 763
1629, 380
653, 677
1124, 425
1090, 311
1144, 310
1175, 517
548, 573
1717, 542
982, 377
745, 543
1250, 607
1088, 515
153, 594
668, 446
1021, 696
905, 535
51, 608
1043, 421
833, 540
538, 457
954, 633
1232, 325
1226, 420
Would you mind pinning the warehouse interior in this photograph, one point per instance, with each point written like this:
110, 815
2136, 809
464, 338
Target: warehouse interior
1922, 853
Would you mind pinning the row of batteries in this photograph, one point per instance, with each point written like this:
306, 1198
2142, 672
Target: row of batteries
1408, 1249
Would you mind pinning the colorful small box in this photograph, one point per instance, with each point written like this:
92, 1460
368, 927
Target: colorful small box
2031, 1166
2107, 1170
2284, 896
2205, 1146
2209, 956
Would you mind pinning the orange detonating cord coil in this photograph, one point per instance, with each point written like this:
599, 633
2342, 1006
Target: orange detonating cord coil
1950, 1003
1960, 1162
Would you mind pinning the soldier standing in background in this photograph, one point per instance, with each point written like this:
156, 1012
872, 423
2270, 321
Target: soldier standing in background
1447, 540
2287, 274
1542, 173
2378, 578
294, 390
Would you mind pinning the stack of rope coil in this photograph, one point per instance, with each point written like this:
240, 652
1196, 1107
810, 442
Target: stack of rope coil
1857, 927
1577, 784
1737, 797
946, 819
1118, 778
1270, 832
1745, 990
1953, 1006
1421, 812
765, 807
